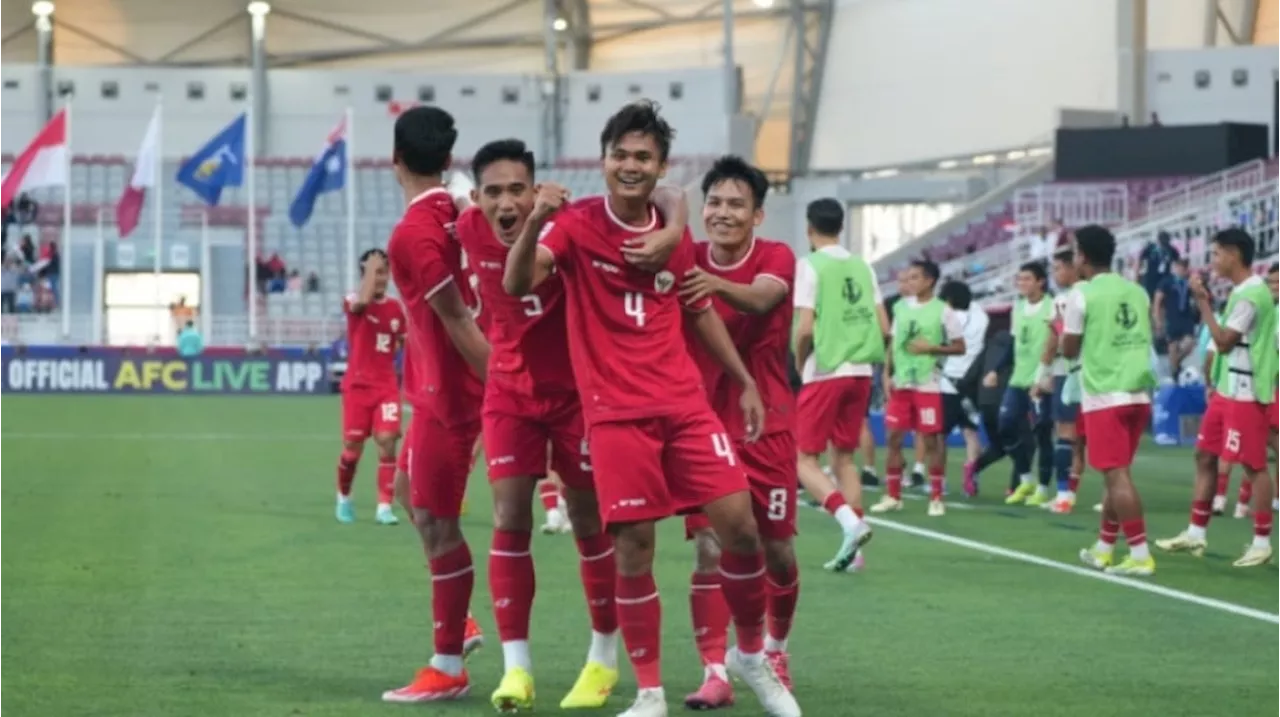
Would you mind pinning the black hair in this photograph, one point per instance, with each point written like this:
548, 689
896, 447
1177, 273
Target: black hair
641, 116
424, 138
1238, 239
1066, 256
512, 150
928, 268
364, 256
1097, 245
730, 167
1275, 266
826, 216
956, 294
1036, 269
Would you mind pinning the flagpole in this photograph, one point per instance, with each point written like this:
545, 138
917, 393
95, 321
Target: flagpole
249, 150
351, 202
99, 280
157, 206
64, 256
206, 272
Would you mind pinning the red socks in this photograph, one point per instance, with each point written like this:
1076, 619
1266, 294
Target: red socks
511, 584
783, 593
549, 494
386, 480
1246, 492
894, 484
1073, 482
833, 502
1107, 531
710, 617
640, 618
935, 484
1224, 483
1135, 531
743, 585
452, 580
599, 577
347, 463
1262, 523
1201, 512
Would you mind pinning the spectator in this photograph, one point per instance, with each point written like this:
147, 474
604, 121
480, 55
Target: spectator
25, 210
1173, 315
276, 267
9, 289
313, 283
294, 284
27, 250
51, 267
190, 343
180, 313
1156, 262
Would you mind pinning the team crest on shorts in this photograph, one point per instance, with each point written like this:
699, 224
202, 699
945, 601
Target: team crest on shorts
663, 282
395, 325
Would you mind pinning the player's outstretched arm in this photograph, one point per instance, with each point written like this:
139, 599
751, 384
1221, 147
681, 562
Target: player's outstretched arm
758, 297
527, 267
461, 327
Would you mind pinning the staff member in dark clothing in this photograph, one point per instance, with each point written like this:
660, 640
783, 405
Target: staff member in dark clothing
997, 362
1174, 315
1157, 261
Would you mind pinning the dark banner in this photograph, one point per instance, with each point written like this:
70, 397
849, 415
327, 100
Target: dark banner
108, 371
1176, 151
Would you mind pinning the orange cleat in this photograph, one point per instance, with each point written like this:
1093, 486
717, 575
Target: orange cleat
473, 639
431, 685
782, 665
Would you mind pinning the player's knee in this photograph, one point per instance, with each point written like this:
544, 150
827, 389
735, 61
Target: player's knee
779, 558
633, 547
706, 551
386, 446
439, 535
584, 512
841, 459
352, 449
512, 514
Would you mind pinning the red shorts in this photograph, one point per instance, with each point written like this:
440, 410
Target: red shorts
1273, 413
1248, 430
771, 474
912, 410
370, 411
653, 468
439, 460
517, 430
1114, 434
402, 460
832, 411
1212, 426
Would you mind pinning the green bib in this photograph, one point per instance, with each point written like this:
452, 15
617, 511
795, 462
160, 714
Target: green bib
1259, 347
1116, 357
1030, 334
921, 321
846, 328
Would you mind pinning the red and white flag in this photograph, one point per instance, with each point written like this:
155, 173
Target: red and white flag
42, 164
129, 208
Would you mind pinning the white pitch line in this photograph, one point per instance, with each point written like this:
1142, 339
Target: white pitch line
1140, 585
202, 437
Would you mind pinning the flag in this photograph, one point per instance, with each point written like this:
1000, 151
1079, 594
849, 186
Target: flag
328, 174
218, 164
129, 208
42, 164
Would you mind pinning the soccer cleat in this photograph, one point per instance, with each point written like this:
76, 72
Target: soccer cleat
1137, 568
937, 509
1183, 543
970, 480
1096, 559
852, 542
1039, 498
514, 693
650, 702
591, 691
886, 504
714, 694
345, 512
1020, 494
557, 523
385, 516
1097, 507
858, 563
869, 479
781, 662
758, 674
1241, 512
431, 685
473, 638
1219, 504
1254, 556
1062, 506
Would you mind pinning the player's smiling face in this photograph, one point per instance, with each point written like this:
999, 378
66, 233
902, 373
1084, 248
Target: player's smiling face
505, 195
1026, 283
633, 165
381, 277
1064, 273
730, 214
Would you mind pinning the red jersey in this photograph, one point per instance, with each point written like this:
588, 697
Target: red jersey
761, 340
425, 258
529, 344
625, 324
373, 337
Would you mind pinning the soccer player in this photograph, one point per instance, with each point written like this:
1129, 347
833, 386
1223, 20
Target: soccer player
840, 330
449, 354
370, 395
924, 329
531, 403
1107, 327
1247, 385
1060, 382
748, 280
961, 376
1023, 423
657, 448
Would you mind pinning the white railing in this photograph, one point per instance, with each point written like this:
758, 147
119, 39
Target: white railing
1072, 205
46, 329
1190, 194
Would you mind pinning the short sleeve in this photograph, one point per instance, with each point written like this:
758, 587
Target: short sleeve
427, 254
1242, 317
1073, 315
806, 282
684, 258
779, 264
952, 324
556, 239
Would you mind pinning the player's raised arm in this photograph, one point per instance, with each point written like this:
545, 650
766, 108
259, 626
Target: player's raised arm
715, 337
527, 266
370, 267
461, 326
651, 251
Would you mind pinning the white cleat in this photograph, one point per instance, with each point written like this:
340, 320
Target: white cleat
649, 703
937, 509
1219, 504
1242, 511
886, 505
385, 515
758, 674
557, 522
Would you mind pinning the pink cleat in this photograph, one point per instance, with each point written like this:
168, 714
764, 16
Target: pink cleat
970, 479
714, 694
782, 665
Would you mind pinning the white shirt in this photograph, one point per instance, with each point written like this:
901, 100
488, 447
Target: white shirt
806, 297
1239, 366
1059, 314
1073, 323
974, 323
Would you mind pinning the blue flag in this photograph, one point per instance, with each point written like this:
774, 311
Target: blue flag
218, 164
328, 174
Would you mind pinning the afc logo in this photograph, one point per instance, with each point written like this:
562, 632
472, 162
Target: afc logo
913, 330
851, 292
395, 325
1126, 317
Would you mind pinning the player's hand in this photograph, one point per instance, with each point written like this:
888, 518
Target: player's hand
374, 262
1198, 289
698, 285
551, 196
651, 251
919, 346
991, 380
753, 411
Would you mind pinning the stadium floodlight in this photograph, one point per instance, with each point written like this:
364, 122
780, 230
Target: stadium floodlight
560, 24
257, 8
42, 8
763, 4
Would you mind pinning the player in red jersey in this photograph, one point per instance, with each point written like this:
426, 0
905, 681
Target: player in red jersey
448, 354
370, 393
748, 280
657, 447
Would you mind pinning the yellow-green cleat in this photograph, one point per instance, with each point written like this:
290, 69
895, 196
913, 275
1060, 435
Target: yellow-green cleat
514, 693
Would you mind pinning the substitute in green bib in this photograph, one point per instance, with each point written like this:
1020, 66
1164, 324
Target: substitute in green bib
840, 332
1060, 379
1246, 387
1107, 326
1025, 427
